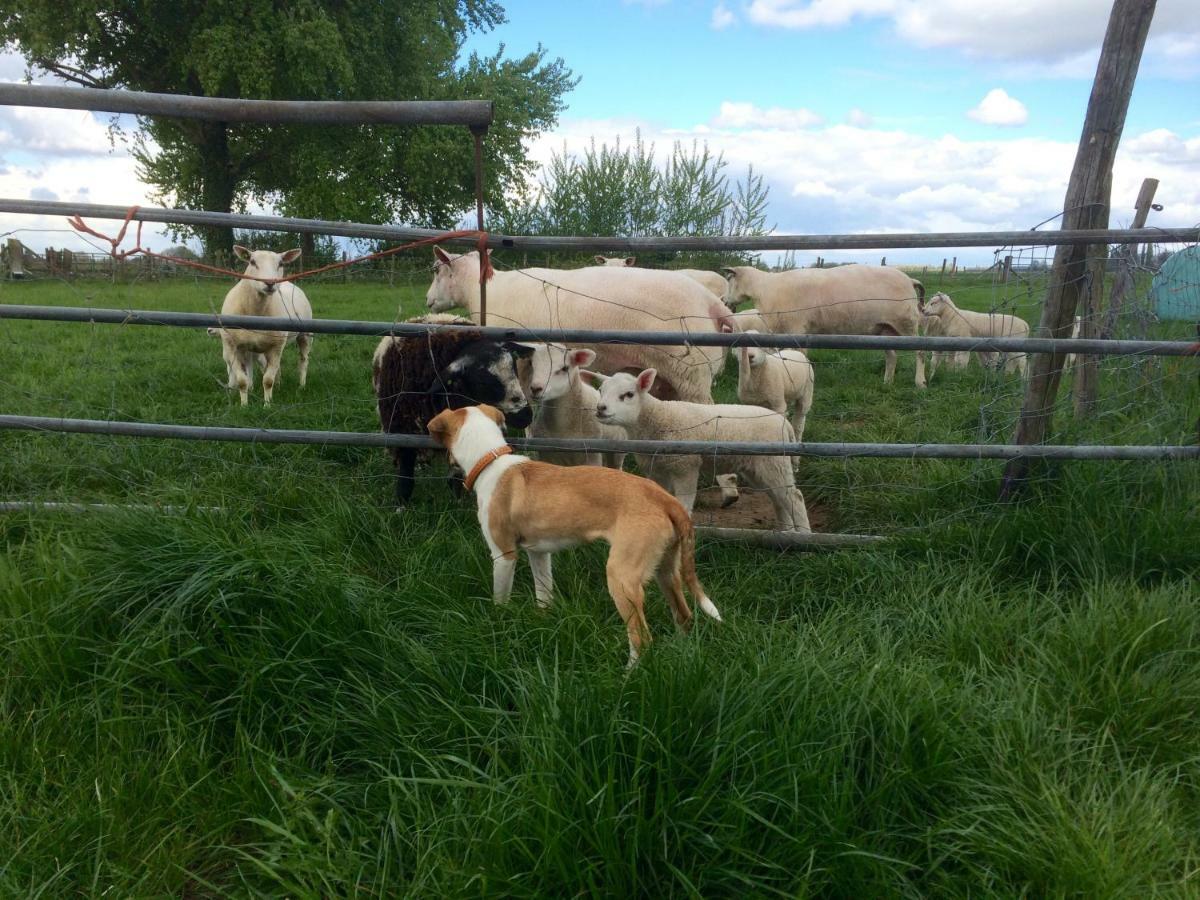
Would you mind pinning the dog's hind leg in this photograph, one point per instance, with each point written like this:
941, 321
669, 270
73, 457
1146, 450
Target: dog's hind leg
543, 577
625, 586
671, 584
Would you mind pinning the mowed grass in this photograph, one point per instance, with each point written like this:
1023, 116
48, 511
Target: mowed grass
303, 693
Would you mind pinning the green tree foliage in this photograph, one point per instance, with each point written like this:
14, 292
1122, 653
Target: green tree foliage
623, 191
310, 49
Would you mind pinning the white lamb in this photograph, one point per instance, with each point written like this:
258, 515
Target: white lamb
955, 321
711, 280
935, 326
851, 299
597, 297
626, 400
251, 297
775, 379
566, 405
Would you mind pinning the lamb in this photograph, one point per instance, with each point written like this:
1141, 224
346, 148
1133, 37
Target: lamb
965, 322
852, 299
711, 280
625, 400
600, 298
251, 297
774, 379
567, 404
935, 326
416, 377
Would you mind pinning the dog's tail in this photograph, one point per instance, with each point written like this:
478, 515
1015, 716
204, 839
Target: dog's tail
685, 534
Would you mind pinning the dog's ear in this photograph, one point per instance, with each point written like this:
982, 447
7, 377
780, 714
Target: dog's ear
492, 413
439, 427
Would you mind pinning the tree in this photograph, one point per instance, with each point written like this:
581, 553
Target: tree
622, 191
311, 49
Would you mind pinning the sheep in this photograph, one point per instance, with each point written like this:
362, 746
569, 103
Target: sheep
418, 376
625, 400
251, 297
388, 340
955, 322
711, 280
935, 326
566, 404
852, 299
626, 299
774, 379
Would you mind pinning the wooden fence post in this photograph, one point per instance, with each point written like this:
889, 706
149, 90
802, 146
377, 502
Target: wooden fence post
1007, 268
954, 266
883, 262
943, 267
1086, 206
1123, 278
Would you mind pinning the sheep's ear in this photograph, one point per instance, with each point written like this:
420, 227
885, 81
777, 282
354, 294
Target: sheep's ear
441, 255
290, 256
595, 379
492, 413
581, 358
728, 272
598, 259
518, 349
630, 260
645, 380
242, 253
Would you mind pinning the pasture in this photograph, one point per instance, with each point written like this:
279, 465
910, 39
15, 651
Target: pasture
303, 692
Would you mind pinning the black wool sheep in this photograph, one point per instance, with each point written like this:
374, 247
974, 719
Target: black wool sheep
418, 376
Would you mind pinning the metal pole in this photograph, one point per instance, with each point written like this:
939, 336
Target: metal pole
478, 133
628, 245
724, 448
89, 315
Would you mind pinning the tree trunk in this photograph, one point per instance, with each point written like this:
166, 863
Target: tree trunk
218, 187
308, 249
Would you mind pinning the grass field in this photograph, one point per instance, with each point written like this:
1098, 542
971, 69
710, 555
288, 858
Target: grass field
306, 694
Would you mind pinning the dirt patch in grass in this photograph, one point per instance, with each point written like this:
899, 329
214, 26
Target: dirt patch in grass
752, 510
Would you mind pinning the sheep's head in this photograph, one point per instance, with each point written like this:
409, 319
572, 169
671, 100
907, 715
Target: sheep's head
453, 279
938, 304
615, 260
264, 264
553, 368
735, 285
753, 356
621, 396
485, 372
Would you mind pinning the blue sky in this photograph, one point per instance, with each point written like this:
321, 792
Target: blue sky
863, 115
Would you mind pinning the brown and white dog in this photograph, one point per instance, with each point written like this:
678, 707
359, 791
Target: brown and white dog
541, 508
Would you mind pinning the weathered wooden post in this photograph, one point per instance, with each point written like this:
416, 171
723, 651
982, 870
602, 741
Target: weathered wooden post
943, 267
1007, 268
1086, 206
1123, 278
954, 266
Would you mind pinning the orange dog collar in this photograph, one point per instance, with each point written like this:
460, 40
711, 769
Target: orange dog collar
490, 457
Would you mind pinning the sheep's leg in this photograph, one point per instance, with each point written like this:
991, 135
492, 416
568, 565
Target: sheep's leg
232, 364
790, 510
406, 463
245, 375
935, 360
543, 578
962, 360
271, 375
889, 366
920, 369
799, 417
304, 344
683, 486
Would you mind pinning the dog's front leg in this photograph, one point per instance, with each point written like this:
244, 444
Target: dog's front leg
543, 578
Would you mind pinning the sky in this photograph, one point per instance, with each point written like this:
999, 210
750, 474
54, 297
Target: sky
863, 115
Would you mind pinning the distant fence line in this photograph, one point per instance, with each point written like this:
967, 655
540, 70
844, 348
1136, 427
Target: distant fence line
89, 315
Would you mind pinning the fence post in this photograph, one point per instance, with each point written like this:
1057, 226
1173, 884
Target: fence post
954, 266
1007, 268
1086, 206
1123, 279
883, 262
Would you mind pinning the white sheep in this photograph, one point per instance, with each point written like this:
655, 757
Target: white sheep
775, 379
597, 297
936, 326
852, 299
955, 321
711, 280
566, 404
251, 297
625, 400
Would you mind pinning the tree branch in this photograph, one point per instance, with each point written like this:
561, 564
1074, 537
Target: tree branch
70, 73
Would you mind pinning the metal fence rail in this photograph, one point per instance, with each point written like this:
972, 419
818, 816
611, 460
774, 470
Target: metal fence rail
635, 245
84, 314
697, 448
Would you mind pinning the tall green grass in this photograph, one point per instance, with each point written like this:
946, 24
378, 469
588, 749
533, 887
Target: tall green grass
306, 694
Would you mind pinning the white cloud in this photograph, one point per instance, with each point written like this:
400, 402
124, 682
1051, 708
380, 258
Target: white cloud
844, 179
747, 115
998, 108
859, 119
62, 132
1032, 31
722, 17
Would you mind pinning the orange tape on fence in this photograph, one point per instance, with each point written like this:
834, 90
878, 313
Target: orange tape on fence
76, 222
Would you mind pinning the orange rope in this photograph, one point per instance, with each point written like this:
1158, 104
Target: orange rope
76, 222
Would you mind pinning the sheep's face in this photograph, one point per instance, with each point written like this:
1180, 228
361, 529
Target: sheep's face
615, 260
264, 264
753, 356
451, 276
553, 368
485, 373
621, 397
735, 287
936, 305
